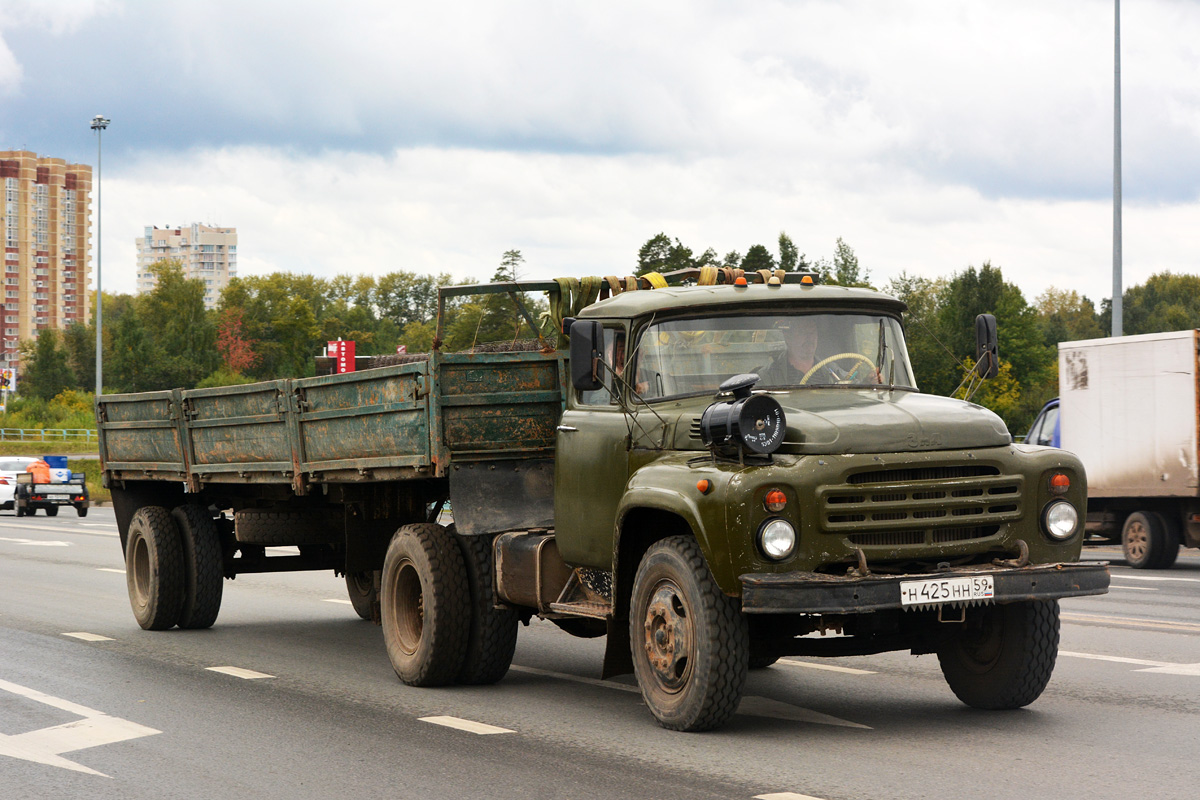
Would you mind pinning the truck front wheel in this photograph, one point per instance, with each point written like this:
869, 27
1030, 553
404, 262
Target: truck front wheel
691, 642
154, 568
1004, 655
425, 605
1148, 542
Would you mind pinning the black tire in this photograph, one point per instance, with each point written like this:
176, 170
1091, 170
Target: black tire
154, 568
360, 586
1144, 539
81, 510
493, 635
21, 510
690, 642
762, 660
51, 511
282, 528
1172, 539
425, 605
203, 567
1004, 655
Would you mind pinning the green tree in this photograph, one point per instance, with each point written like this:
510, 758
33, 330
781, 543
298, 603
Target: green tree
1165, 302
846, 270
732, 260
655, 254
789, 254
46, 372
131, 363
758, 257
1066, 316
183, 333
79, 341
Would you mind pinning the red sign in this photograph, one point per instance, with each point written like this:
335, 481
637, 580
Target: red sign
343, 354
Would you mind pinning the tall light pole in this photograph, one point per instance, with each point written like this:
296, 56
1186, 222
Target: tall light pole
99, 123
1117, 297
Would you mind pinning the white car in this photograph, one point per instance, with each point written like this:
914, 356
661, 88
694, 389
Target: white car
9, 467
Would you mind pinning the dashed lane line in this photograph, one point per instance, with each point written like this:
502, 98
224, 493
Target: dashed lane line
1114, 587
470, 726
110, 569
1133, 622
89, 637
34, 542
1127, 577
784, 796
239, 672
827, 667
1159, 667
57, 529
338, 600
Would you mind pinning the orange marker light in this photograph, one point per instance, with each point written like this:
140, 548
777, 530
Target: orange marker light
1059, 483
740, 281
806, 280
775, 501
703, 486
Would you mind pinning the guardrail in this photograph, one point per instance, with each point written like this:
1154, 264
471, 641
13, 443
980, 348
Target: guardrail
48, 435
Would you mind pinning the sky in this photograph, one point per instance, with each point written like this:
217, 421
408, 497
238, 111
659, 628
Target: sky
364, 137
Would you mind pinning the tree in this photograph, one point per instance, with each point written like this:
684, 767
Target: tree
184, 336
46, 372
789, 255
79, 342
846, 271
237, 352
732, 260
1165, 302
1066, 316
655, 254
758, 257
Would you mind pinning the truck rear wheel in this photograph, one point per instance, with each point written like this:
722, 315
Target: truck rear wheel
154, 568
425, 605
1004, 655
1147, 542
202, 566
690, 642
360, 587
493, 636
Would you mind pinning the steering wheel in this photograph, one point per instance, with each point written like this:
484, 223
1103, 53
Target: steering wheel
838, 357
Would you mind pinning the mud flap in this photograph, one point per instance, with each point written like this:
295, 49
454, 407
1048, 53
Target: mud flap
618, 660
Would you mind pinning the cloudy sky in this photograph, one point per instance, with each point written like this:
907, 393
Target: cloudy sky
365, 137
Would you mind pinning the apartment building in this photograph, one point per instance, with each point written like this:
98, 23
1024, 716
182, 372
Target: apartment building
47, 246
206, 252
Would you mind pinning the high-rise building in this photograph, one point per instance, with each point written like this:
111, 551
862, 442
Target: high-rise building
47, 246
206, 252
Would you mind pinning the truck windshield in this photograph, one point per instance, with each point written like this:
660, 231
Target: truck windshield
788, 351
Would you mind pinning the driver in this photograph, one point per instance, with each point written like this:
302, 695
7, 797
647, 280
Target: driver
801, 334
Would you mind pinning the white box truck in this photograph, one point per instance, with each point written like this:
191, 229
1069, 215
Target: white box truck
1129, 407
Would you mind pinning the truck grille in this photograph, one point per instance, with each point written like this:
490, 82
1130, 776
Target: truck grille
921, 505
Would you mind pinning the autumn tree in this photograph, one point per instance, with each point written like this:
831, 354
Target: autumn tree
237, 352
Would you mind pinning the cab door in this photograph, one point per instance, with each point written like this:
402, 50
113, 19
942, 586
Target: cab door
591, 466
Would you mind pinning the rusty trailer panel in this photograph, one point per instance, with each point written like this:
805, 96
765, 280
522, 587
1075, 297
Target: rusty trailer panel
140, 435
238, 431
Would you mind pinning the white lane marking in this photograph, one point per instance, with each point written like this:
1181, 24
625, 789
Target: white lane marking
1159, 667
1126, 577
35, 542
290, 549
46, 746
90, 637
1113, 586
338, 600
784, 796
99, 524
238, 672
829, 667
110, 569
56, 528
1135, 622
466, 725
753, 706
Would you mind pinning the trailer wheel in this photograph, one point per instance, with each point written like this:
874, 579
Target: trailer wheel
425, 605
690, 642
202, 566
81, 510
51, 511
154, 568
360, 586
493, 636
1003, 656
273, 528
1144, 540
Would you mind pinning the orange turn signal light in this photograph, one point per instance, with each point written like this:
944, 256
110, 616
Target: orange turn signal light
806, 280
703, 486
740, 281
1059, 483
775, 501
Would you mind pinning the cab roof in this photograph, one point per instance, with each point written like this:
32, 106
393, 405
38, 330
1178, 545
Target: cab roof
796, 296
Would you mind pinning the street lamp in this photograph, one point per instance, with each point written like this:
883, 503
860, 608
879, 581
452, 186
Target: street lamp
99, 123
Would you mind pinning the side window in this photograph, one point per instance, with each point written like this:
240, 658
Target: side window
1046, 434
614, 354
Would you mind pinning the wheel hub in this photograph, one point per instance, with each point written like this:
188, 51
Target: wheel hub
669, 638
1136, 540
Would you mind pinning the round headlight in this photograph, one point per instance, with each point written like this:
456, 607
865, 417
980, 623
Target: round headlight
1060, 519
777, 539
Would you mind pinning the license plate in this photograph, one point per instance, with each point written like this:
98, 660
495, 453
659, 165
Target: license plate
947, 590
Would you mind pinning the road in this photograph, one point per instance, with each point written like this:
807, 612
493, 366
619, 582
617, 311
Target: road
307, 705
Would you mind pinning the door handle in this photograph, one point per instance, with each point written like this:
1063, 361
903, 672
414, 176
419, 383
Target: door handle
567, 428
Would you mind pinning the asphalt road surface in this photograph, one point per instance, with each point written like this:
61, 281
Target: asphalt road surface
290, 695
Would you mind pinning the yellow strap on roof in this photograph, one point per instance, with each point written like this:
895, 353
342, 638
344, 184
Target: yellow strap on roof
708, 276
655, 280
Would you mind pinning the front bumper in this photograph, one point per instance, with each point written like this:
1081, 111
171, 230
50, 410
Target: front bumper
815, 593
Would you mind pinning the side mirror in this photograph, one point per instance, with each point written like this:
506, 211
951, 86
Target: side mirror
987, 357
587, 335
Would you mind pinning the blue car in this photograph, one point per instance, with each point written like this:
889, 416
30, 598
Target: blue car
1045, 429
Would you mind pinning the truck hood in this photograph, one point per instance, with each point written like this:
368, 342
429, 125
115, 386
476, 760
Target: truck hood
875, 421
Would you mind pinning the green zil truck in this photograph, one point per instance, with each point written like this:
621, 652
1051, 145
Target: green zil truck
692, 472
